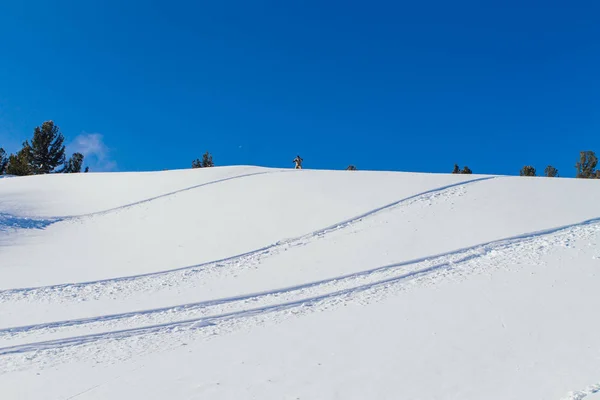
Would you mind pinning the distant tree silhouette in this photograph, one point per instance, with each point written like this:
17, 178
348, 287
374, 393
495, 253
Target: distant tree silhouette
3, 161
351, 168
551, 172
527, 170
207, 160
47, 149
465, 170
586, 165
19, 164
87, 169
74, 164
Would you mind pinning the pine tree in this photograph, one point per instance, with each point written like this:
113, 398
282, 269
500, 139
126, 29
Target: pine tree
207, 160
87, 169
527, 170
351, 168
466, 170
586, 165
47, 150
18, 164
551, 172
3, 161
196, 163
456, 169
74, 164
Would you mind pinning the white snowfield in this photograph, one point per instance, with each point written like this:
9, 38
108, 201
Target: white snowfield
257, 283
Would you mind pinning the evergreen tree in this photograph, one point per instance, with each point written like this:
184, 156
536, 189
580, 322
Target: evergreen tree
551, 172
466, 170
527, 170
74, 164
196, 163
87, 169
586, 165
47, 150
207, 160
456, 169
351, 168
3, 161
18, 164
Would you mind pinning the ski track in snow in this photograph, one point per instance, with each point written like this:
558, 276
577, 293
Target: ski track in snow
581, 394
9, 221
363, 287
103, 287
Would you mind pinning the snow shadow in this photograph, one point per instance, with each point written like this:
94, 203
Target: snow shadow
11, 222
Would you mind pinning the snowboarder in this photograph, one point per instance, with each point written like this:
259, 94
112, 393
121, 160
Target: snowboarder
298, 162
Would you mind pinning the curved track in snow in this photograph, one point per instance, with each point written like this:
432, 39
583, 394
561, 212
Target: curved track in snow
8, 294
333, 290
582, 394
186, 189
13, 221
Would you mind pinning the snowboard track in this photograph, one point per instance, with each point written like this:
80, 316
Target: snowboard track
581, 394
323, 231
441, 263
14, 221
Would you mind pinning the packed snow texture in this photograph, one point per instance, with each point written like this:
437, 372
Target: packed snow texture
247, 282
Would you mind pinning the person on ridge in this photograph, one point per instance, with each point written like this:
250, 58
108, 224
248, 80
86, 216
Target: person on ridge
298, 162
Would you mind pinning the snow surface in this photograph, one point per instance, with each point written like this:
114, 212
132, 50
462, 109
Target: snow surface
248, 282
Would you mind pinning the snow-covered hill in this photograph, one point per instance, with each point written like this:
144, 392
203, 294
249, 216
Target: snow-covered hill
247, 282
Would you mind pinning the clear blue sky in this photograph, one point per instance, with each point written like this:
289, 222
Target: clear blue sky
397, 85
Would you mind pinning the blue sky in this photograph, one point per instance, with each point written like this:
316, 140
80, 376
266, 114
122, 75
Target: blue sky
412, 86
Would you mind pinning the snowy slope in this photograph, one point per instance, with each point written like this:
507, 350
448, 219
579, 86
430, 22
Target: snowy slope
247, 282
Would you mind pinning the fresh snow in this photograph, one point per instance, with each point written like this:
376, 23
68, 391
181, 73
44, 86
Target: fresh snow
248, 282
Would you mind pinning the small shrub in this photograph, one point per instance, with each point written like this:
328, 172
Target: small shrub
527, 170
586, 165
551, 172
